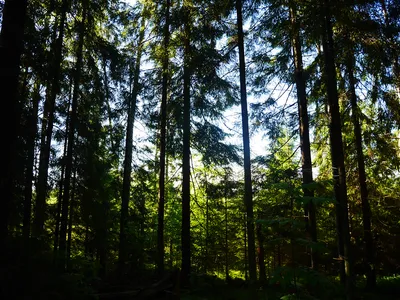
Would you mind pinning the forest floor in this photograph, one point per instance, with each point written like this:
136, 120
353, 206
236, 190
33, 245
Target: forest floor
207, 287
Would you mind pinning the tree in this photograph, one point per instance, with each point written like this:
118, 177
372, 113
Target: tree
71, 137
163, 129
186, 144
246, 147
337, 155
369, 244
304, 126
30, 161
126, 185
48, 121
11, 37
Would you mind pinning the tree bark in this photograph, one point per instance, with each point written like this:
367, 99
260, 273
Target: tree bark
11, 47
207, 226
261, 254
305, 145
61, 183
246, 262
70, 223
362, 178
186, 149
30, 163
126, 185
163, 128
248, 194
107, 100
47, 125
337, 154
226, 230
71, 137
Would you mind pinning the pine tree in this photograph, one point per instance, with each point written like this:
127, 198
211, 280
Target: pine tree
337, 155
248, 193
126, 185
12, 34
186, 253
71, 137
48, 122
304, 126
163, 129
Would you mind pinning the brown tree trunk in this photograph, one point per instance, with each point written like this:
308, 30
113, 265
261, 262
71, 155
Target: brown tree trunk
248, 194
261, 254
306, 166
70, 222
30, 163
163, 125
337, 155
246, 261
47, 125
226, 231
126, 185
186, 149
61, 183
207, 227
362, 178
11, 38
71, 138
109, 113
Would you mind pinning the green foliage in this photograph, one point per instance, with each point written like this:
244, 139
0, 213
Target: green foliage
366, 29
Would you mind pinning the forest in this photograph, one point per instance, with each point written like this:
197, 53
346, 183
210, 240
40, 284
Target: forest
200, 149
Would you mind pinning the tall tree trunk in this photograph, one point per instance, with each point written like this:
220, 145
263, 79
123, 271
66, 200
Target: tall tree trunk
47, 124
71, 137
248, 194
11, 39
126, 185
246, 262
261, 253
207, 227
61, 183
70, 222
186, 149
103, 245
362, 178
163, 125
337, 154
306, 162
107, 101
226, 230
30, 163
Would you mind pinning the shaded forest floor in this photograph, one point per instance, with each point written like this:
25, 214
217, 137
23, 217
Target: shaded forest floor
388, 288
36, 277
46, 284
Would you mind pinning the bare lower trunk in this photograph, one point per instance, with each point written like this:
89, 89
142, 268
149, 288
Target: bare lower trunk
70, 222
226, 232
246, 271
362, 178
30, 163
61, 183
